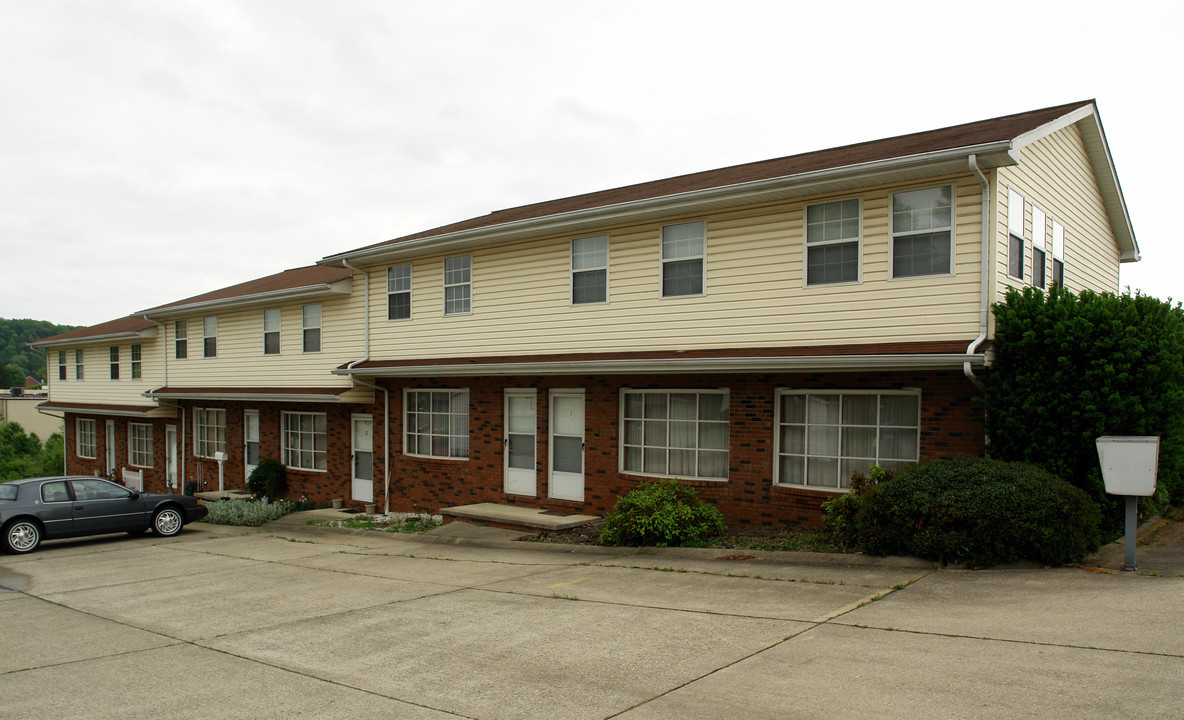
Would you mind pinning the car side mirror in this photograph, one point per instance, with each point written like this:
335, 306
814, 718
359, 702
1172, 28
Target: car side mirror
134, 496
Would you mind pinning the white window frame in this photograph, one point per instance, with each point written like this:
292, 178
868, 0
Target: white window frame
137, 362
62, 365
1016, 246
139, 447
398, 284
209, 431
452, 281
79, 364
822, 244
305, 446
1058, 253
633, 449
903, 234
85, 441
113, 362
584, 263
209, 336
1039, 233
273, 319
668, 259
443, 426
181, 339
311, 335
841, 479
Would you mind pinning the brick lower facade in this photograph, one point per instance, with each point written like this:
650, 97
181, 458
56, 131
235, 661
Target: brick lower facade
951, 425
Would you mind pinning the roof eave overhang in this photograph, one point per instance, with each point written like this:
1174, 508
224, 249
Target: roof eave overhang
246, 397
307, 292
676, 366
84, 409
107, 338
848, 177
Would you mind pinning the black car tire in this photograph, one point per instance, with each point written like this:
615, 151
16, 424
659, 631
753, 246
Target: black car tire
22, 536
167, 522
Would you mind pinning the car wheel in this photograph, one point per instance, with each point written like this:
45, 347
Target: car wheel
167, 522
22, 536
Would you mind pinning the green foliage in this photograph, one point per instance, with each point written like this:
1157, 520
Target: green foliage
841, 514
410, 524
249, 513
22, 456
974, 511
15, 354
662, 513
1070, 368
269, 478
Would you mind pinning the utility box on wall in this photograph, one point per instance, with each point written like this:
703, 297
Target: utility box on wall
1129, 464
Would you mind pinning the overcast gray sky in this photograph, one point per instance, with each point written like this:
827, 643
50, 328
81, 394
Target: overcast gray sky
151, 150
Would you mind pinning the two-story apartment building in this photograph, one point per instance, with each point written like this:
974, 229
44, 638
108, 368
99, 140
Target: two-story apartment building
760, 331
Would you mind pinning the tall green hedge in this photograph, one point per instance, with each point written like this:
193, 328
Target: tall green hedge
1069, 368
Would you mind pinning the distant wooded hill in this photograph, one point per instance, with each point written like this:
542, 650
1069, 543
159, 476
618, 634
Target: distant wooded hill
17, 359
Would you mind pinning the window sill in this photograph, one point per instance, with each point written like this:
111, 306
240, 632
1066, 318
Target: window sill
813, 488
687, 478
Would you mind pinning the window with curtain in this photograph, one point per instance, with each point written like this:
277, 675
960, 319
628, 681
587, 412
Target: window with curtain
305, 440
922, 232
436, 423
675, 433
589, 270
683, 252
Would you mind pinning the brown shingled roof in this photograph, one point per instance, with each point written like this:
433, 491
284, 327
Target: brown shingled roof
976, 133
286, 280
130, 324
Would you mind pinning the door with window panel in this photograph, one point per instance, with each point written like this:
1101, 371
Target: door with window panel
567, 445
520, 442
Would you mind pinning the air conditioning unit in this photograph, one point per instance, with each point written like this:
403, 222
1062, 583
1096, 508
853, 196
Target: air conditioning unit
16, 391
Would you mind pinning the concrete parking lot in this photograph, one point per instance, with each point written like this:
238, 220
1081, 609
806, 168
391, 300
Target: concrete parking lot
290, 621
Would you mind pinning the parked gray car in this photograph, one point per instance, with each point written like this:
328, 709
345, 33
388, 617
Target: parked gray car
46, 508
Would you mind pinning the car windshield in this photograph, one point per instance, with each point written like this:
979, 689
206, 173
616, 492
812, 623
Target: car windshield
7, 492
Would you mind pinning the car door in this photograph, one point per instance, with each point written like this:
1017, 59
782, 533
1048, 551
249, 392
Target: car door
55, 508
104, 507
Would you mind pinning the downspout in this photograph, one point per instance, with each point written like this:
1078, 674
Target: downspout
386, 407
984, 274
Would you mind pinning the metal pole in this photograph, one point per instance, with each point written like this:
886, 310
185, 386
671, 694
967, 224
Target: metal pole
1132, 513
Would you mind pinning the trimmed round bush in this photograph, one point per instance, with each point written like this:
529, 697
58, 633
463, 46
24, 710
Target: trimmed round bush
268, 478
979, 512
662, 513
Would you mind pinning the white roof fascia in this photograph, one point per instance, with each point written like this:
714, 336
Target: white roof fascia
674, 366
84, 410
247, 397
307, 292
992, 154
136, 335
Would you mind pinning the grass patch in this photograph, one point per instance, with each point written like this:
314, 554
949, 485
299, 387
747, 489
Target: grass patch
736, 538
380, 523
248, 513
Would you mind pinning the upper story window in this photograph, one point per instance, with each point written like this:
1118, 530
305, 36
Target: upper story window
139, 444
458, 285
832, 242
1058, 253
137, 362
113, 352
271, 331
683, 252
311, 323
1039, 254
436, 423
589, 270
209, 434
1015, 234
922, 232
398, 292
79, 356
209, 336
61, 364
85, 442
181, 339
679, 433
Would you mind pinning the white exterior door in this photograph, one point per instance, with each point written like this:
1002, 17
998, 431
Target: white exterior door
170, 452
520, 442
111, 448
567, 445
363, 459
250, 442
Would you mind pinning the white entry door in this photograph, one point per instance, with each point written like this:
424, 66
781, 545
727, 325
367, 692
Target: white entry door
250, 441
567, 445
520, 442
363, 459
111, 448
170, 460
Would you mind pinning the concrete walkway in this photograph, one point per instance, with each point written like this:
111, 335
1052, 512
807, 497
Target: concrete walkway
293, 620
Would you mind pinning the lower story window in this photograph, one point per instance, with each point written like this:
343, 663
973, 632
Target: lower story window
824, 437
86, 438
679, 433
210, 431
139, 444
306, 441
437, 423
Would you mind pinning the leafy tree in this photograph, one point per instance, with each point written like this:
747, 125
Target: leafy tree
15, 353
20, 454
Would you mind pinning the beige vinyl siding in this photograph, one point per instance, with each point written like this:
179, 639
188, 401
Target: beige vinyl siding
754, 291
97, 385
241, 362
1055, 174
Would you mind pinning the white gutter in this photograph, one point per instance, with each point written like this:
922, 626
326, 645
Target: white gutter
252, 397
130, 335
386, 408
984, 275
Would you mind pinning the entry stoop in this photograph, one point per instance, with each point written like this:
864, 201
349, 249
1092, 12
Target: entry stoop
513, 517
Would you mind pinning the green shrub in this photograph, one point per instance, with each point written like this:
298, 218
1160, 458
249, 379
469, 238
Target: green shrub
979, 512
841, 514
268, 478
662, 513
250, 513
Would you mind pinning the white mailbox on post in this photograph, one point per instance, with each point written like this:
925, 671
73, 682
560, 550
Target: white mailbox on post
221, 458
1129, 466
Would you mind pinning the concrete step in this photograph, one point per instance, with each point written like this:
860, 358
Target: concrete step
515, 518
